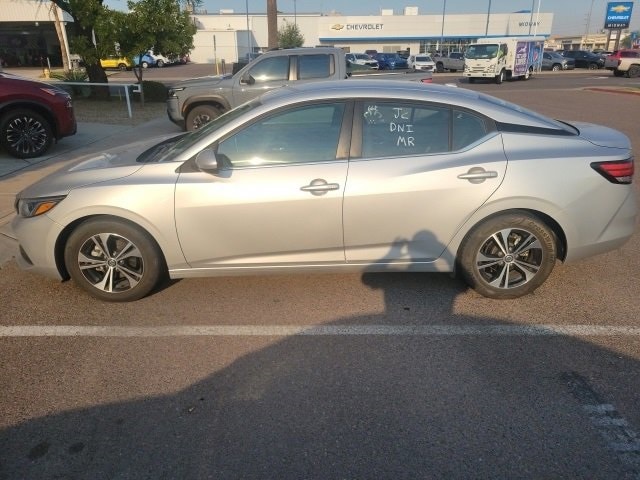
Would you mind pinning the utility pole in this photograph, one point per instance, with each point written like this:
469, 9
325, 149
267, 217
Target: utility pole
272, 23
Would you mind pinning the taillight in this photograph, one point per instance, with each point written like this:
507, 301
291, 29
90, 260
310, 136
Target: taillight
620, 171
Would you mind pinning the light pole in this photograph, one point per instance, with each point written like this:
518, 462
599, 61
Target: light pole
444, 8
295, 14
248, 31
486, 30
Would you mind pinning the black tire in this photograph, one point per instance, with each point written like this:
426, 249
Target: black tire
634, 71
593, 66
25, 134
472, 80
618, 73
122, 67
556, 67
500, 77
130, 269
201, 115
439, 67
527, 75
504, 268
160, 63
145, 64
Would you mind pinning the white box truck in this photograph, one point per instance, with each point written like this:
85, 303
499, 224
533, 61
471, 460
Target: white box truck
503, 58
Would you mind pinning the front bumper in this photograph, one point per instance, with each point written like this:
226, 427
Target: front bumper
174, 112
37, 237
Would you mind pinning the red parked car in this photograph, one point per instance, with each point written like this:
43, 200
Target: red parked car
32, 115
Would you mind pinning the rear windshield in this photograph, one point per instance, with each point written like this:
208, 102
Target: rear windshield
512, 106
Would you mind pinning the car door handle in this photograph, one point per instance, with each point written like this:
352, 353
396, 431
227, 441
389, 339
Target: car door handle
478, 175
319, 186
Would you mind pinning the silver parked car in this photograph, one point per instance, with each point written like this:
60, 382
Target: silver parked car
336, 177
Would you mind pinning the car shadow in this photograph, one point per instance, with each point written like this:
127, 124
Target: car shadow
418, 391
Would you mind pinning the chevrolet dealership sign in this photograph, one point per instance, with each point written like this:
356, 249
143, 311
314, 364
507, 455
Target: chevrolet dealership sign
357, 26
618, 15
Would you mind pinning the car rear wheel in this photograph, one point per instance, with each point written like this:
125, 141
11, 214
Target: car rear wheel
593, 66
439, 67
507, 256
556, 67
634, 71
25, 134
618, 73
122, 67
201, 115
113, 260
160, 64
145, 64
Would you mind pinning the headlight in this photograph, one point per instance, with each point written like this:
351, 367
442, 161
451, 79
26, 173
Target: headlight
32, 207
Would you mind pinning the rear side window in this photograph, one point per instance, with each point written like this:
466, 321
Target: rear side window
315, 66
630, 54
399, 129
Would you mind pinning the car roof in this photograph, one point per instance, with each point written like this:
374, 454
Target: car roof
492, 107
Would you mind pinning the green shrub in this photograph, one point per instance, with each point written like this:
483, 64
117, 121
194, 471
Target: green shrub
75, 75
154, 91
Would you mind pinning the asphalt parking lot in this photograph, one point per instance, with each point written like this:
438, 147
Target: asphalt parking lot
330, 376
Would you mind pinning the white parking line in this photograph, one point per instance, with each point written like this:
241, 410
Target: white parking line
319, 330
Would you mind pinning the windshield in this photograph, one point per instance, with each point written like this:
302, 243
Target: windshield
173, 147
482, 51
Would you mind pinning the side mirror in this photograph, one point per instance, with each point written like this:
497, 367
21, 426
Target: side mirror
207, 161
247, 79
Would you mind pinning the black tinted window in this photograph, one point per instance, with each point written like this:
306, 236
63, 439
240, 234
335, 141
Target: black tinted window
271, 69
315, 66
467, 129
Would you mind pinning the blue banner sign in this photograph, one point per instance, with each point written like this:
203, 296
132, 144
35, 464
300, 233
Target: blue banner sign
618, 15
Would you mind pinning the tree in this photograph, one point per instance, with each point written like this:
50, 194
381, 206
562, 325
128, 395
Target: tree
157, 25
289, 36
85, 14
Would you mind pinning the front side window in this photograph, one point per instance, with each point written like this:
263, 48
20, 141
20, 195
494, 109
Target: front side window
271, 69
315, 66
302, 134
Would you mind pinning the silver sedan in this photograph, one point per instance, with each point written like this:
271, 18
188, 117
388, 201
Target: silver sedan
339, 176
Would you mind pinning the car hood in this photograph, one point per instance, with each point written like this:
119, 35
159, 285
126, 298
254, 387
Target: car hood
93, 168
198, 81
602, 136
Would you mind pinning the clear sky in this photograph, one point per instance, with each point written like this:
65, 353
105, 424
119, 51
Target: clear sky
570, 16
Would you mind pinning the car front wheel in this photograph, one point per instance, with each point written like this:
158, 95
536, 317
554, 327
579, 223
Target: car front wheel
201, 115
508, 256
113, 260
25, 134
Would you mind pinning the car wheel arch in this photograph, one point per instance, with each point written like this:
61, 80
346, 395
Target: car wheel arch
194, 102
39, 108
66, 232
482, 215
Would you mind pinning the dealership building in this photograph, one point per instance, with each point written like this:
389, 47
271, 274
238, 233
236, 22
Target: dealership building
28, 31
229, 36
